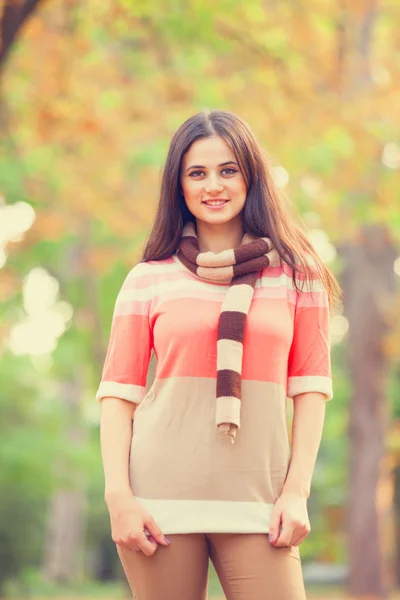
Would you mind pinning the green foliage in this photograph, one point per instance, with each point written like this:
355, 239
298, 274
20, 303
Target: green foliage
32, 584
26, 441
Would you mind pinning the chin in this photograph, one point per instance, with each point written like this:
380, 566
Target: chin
217, 220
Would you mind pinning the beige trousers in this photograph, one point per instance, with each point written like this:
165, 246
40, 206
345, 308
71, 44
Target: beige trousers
247, 565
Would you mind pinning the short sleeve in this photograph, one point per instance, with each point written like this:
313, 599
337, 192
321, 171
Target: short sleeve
309, 365
130, 344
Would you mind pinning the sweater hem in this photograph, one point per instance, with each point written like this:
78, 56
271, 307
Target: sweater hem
125, 391
208, 516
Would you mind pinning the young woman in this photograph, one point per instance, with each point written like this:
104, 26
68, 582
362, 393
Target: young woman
234, 302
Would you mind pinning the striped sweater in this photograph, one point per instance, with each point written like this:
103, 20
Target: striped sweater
181, 469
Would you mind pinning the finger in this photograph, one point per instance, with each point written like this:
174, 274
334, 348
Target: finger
139, 542
300, 538
275, 525
124, 547
129, 547
295, 540
147, 547
298, 534
285, 536
155, 531
298, 541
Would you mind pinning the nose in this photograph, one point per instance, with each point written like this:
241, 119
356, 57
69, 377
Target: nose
213, 184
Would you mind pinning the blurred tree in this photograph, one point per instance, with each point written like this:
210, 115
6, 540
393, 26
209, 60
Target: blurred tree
13, 15
369, 282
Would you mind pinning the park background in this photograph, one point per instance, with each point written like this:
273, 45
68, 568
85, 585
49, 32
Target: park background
91, 93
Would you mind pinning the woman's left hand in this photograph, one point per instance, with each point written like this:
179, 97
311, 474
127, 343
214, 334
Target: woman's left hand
289, 523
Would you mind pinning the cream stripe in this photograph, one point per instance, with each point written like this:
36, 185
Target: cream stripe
158, 287
125, 391
238, 298
221, 274
310, 383
274, 258
169, 286
225, 258
229, 355
228, 410
215, 293
198, 516
273, 289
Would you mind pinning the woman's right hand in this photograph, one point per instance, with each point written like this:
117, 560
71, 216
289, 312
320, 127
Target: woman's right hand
128, 522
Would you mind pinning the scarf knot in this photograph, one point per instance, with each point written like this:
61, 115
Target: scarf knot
240, 268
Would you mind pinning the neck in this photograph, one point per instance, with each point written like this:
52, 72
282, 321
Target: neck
217, 238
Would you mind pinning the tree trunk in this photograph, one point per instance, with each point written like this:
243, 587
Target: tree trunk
64, 542
369, 287
397, 522
63, 561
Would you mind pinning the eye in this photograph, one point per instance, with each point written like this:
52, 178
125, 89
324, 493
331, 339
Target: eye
227, 171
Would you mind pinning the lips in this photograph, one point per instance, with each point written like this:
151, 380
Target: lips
215, 201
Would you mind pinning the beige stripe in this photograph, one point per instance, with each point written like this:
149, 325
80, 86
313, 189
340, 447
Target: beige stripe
260, 454
229, 355
228, 410
274, 258
221, 259
238, 298
222, 274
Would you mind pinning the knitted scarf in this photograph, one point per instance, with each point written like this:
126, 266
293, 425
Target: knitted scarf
239, 267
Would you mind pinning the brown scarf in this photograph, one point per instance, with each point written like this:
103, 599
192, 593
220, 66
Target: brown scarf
239, 267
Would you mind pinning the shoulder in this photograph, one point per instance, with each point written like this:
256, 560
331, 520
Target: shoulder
305, 276
146, 273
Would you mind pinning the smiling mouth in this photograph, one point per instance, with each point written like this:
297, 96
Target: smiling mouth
217, 202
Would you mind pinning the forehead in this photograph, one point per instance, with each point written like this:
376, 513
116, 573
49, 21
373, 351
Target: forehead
208, 151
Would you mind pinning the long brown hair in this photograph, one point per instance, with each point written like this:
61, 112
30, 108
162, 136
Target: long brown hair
266, 211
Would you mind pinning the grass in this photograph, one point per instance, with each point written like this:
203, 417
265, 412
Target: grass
36, 589
108, 593
119, 592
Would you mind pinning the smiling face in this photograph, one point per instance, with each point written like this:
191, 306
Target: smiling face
212, 182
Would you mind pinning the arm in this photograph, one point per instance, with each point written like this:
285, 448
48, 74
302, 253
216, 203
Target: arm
128, 518
115, 439
310, 386
123, 381
290, 524
308, 422
122, 388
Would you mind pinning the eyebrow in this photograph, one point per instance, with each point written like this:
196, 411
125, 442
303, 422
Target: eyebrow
229, 162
